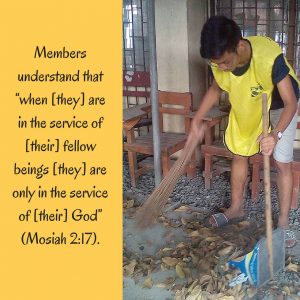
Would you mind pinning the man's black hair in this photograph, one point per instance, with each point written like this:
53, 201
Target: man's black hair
219, 34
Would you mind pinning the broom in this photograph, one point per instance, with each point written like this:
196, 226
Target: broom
152, 207
268, 207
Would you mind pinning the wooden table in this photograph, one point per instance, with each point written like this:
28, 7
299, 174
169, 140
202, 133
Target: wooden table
132, 115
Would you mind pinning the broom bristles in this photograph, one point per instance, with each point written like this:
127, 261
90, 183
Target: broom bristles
152, 207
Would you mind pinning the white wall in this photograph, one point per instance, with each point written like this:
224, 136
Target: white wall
172, 45
196, 16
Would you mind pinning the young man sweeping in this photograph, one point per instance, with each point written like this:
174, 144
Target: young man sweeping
245, 68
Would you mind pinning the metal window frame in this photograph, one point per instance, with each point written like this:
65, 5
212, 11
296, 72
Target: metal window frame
141, 8
289, 27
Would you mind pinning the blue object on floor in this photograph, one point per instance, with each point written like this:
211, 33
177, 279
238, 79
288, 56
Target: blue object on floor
255, 264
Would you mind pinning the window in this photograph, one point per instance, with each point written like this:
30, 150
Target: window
135, 36
274, 18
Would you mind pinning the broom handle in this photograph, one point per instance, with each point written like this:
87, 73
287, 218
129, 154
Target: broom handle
268, 209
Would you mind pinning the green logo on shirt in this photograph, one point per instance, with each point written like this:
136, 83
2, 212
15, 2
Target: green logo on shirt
256, 90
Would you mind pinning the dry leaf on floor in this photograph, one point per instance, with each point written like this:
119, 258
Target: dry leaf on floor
178, 296
194, 233
213, 274
148, 283
204, 278
166, 249
186, 259
129, 269
293, 290
192, 286
163, 267
292, 267
204, 265
219, 285
183, 252
195, 259
288, 260
187, 272
228, 243
228, 276
251, 292
210, 287
180, 245
244, 223
129, 203
205, 230
202, 244
170, 261
226, 298
286, 289
179, 271
223, 267
235, 254
237, 288
212, 238
145, 266
182, 208
240, 296
223, 287
184, 221
196, 294
212, 246
225, 251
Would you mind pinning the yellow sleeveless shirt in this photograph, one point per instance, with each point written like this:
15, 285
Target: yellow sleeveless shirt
245, 95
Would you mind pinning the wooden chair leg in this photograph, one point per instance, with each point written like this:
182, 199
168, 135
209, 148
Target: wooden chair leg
191, 169
295, 194
132, 162
166, 164
207, 170
246, 187
255, 181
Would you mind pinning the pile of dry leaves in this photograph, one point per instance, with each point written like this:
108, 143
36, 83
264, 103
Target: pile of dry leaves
200, 262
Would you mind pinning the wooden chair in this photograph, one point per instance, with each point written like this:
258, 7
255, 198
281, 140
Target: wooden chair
257, 165
136, 91
170, 103
214, 148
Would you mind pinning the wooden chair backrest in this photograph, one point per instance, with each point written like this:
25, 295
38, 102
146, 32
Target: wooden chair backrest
136, 84
174, 103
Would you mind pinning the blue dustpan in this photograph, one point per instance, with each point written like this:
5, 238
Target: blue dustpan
255, 264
